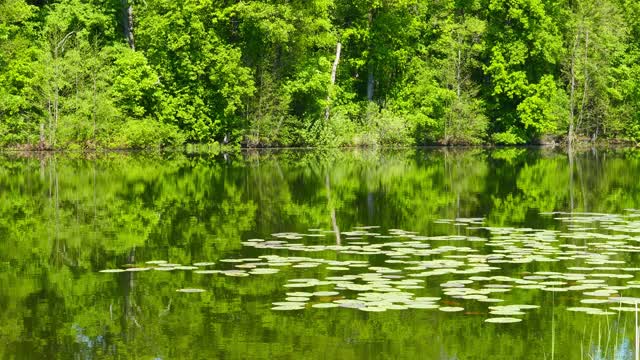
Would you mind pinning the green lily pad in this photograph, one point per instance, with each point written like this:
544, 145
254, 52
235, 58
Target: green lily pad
203, 271
136, 269
451, 308
503, 320
287, 307
191, 290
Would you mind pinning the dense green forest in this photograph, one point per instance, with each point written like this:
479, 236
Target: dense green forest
150, 73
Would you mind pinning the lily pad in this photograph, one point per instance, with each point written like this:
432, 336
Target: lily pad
503, 320
191, 290
451, 308
287, 307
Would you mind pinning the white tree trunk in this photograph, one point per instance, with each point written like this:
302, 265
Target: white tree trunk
572, 105
334, 70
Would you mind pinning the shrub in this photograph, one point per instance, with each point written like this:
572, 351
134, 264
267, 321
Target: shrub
146, 134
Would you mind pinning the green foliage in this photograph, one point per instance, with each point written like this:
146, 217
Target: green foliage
385, 128
147, 134
258, 73
136, 85
339, 130
523, 52
19, 80
539, 110
596, 67
631, 111
466, 122
382, 127
423, 101
203, 80
509, 137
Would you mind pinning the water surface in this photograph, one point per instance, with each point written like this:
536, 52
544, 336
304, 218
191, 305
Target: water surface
417, 221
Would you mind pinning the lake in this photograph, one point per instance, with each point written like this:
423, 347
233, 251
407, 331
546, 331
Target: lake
344, 254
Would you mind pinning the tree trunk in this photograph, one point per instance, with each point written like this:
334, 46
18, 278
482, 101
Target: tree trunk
586, 75
572, 92
50, 116
127, 23
459, 71
370, 77
41, 143
370, 81
334, 69
95, 107
53, 127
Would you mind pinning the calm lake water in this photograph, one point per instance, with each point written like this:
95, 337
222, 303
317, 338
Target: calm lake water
404, 254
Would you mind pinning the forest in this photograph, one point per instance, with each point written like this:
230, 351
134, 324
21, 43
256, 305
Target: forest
124, 74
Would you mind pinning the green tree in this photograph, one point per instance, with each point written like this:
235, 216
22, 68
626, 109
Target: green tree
203, 80
524, 46
21, 111
594, 68
439, 92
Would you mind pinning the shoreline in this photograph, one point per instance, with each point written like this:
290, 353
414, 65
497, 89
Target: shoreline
215, 148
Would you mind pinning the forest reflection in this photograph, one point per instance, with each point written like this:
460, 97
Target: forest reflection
67, 216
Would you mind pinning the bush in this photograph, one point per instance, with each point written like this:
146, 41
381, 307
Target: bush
392, 129
337, 131
466, 123
147, 134
384, 128
509, 137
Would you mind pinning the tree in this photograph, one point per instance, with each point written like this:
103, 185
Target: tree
203, 81
524, 46
596, 36
21, 113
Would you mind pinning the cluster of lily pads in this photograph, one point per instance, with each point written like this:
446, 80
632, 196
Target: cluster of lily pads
586, 255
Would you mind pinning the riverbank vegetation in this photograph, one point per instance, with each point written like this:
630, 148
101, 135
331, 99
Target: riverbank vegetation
137, 74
